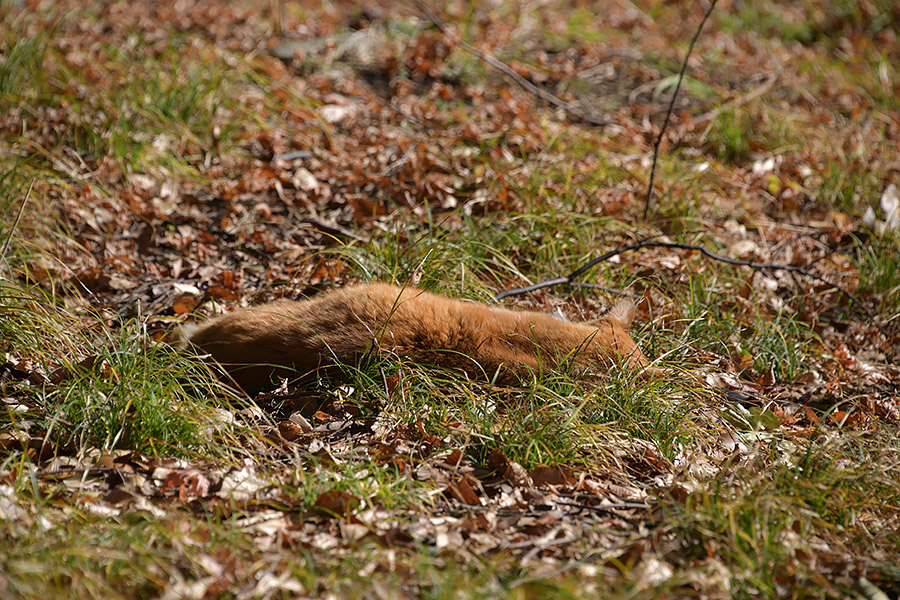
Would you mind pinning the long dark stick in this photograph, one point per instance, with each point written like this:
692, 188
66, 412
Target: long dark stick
649, 243
662, 130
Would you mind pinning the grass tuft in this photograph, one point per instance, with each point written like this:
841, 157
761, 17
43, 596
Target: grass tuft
95, 386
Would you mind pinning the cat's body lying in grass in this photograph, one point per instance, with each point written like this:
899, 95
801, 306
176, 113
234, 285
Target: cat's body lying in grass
290, 338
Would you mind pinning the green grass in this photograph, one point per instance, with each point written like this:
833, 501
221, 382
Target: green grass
554, 419
747, 500
24, 58
135, 555
661, 412
171, 108
811, 21
369, 481
108, 388
767, 19
762, 520
877, 260
582, 26
740, 134
93, 380
715, 322
541, 243
728, 139
847, 188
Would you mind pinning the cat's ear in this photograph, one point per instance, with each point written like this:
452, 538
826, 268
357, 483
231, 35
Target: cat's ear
622, 312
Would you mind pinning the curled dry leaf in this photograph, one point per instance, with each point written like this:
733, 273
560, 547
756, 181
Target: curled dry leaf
553, 475
463, 491
511, 471
190, 483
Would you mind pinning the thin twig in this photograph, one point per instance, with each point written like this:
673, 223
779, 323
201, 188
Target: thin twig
16, 222
649, 243
511, 73
568, 280
662, 130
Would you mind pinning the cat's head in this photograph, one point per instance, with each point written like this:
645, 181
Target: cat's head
614, 337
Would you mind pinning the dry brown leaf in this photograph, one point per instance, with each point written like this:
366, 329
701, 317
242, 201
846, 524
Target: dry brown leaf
190, 483
553, 475
463, 491
336, 503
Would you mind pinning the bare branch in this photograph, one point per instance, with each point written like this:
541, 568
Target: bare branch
662, 130
649, 243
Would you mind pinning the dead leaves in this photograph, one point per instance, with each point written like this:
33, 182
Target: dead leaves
337, 504
188, 483
382, 129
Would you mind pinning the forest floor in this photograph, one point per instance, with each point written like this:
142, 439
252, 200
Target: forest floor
163, 162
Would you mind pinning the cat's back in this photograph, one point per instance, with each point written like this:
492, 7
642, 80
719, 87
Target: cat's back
351, 315
411, 315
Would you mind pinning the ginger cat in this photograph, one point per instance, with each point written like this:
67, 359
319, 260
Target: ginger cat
287, 338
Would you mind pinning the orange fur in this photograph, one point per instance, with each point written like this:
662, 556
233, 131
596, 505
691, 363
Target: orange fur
288, 338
